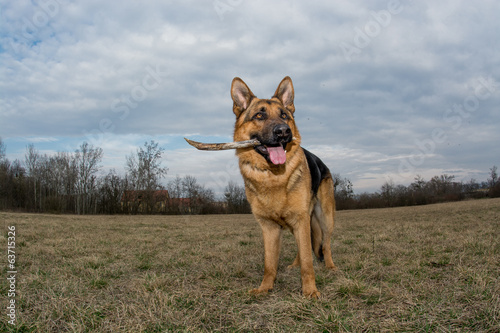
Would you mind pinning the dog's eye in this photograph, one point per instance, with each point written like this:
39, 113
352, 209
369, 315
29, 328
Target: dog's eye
259, 116
284, 115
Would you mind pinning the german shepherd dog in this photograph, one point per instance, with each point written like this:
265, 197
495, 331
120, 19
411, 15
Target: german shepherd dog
286, 185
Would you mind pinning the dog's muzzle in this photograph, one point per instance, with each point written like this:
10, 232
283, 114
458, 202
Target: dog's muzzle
274, 150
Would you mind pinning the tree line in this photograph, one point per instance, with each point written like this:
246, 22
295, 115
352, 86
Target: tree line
442, 188
74, 183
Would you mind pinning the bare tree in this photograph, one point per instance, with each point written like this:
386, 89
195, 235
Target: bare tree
63, 179
442, 184
236, 199
200, 200
418, 191
190, 187
145, 171
175, 195
4, 179
344, 193
111, 190
31, 160
18, 184
419, 183
174, 188
336, 180
87, 159
388, 192
12, 182
494, 183
493, 177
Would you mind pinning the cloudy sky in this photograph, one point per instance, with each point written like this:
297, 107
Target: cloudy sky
383, 89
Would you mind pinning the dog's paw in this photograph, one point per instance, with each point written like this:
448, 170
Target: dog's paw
312, 294
331, 267
259, 291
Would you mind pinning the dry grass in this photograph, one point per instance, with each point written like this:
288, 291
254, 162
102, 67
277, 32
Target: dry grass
431, 269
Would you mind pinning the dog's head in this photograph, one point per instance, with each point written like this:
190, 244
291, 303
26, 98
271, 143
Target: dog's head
271, 121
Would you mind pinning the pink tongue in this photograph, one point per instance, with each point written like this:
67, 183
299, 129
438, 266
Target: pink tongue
277, 155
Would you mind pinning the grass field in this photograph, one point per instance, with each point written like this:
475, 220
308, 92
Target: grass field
430, 268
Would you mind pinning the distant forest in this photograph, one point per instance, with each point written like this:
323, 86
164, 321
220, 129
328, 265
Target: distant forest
74, 183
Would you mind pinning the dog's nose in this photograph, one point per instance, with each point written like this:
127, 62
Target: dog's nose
282, 131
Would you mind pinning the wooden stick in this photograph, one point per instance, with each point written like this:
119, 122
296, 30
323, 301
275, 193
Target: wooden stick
223, 146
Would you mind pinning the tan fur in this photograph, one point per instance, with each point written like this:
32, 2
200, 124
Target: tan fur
281, 195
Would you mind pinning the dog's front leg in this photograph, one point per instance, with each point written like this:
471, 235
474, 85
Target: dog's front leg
302, 233
271, 231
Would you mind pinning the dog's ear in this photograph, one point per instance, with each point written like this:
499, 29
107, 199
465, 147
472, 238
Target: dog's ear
285, 94
241, 95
